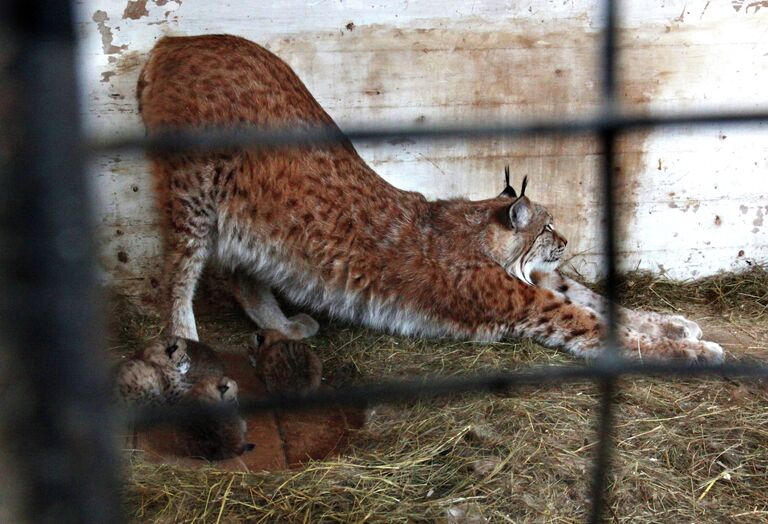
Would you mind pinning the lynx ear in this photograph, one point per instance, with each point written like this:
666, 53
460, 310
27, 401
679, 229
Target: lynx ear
520, 213
525, 184
509, 191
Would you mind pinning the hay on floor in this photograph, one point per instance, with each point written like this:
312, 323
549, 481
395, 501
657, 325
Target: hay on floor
686, 450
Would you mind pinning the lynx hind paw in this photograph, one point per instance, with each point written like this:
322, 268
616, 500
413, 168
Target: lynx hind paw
301, 326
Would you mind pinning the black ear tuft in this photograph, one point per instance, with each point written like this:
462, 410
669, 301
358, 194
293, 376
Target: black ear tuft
509, 191
525, 184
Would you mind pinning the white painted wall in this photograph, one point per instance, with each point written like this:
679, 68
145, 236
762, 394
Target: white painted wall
693, 201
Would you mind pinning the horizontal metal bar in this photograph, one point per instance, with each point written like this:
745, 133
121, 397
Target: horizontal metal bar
255, 136
411, 390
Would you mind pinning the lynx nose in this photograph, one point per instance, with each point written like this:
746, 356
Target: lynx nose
223, 388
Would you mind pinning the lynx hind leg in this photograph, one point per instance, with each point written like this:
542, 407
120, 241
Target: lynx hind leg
188, 222
262, 308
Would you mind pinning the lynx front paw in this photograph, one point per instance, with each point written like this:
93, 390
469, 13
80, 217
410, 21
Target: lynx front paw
301, 326
659, 350
691, 329
673, 327
704, 353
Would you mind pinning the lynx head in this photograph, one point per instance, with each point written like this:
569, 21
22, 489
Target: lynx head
168, 352
211, 389
521, 237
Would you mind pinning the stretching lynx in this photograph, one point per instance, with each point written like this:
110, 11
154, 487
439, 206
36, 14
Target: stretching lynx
318, 224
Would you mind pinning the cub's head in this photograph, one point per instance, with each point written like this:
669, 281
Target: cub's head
168, 352
211, 389
521, 237
261, 340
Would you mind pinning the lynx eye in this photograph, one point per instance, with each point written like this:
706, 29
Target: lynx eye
549, 228
259, 339
170, 350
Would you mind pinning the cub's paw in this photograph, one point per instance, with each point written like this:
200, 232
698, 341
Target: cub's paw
301, 326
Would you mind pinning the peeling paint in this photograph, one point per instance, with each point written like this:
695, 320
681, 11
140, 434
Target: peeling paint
100, 17
106, 75
128, 62
135, 9
755, 6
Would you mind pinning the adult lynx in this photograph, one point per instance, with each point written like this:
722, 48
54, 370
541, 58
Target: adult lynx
318, 224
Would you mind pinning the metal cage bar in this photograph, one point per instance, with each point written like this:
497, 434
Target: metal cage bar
63, 439
608, 384
51, 216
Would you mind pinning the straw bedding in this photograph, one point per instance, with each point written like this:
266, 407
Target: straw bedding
686, 450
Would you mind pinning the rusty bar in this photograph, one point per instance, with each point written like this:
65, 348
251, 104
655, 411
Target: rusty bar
62, 434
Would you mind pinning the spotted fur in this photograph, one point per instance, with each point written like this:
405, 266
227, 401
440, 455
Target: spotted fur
155, 375
319, 225
285, 366
204, 361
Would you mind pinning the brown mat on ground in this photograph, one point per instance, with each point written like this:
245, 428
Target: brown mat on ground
282, 439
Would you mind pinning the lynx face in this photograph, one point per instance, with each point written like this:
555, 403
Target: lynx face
169, 353
223, 389
522, 239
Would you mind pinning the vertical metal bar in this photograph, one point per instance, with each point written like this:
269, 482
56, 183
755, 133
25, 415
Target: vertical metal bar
63, 434
608, 383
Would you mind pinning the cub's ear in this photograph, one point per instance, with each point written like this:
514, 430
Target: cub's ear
520, 213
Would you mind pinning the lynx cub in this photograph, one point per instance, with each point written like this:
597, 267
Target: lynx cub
209, 438
285, 366
318, 224
155, 375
